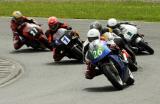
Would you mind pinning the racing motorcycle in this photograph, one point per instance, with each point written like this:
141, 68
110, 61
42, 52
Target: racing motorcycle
136, 41
121, 44
111, 65
33, 35
70, 45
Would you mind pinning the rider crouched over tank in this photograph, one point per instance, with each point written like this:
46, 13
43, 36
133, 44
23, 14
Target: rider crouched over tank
133, 40
95, 58
115, 26
106, 34
56, 29
18, 23
94, 34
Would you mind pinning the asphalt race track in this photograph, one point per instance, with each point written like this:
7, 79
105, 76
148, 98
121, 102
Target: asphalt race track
46, 82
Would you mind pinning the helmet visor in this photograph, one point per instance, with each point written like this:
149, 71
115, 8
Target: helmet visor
19, 20
54, 27
90, 39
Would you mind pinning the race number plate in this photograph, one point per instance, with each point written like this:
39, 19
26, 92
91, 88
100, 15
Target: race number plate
65, 40
128, 35
33, 31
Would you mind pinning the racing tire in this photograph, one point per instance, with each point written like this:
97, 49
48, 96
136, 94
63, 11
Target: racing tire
77, 53
132, 66
147, 47
130, 80
112, 74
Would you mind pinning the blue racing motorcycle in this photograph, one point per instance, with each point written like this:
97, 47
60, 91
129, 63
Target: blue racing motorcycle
68, 44
111, 65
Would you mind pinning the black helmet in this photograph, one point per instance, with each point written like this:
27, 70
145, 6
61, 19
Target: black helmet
96, 25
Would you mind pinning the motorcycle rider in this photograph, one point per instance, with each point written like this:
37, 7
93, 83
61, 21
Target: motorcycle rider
107, 35
94, 34
54, 25
97, 25
17, 20
91, 71
115, 26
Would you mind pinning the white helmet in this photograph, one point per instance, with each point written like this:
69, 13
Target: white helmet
93, 34
111, 22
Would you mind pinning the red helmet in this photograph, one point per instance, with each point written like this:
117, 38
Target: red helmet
53, 23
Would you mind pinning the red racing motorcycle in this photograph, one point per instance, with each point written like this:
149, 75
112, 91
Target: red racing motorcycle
34, 36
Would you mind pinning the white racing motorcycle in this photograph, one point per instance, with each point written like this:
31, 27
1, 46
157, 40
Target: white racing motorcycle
135, 41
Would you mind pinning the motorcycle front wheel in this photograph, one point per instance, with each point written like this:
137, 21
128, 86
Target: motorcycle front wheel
112, 74
146, 47
77, 52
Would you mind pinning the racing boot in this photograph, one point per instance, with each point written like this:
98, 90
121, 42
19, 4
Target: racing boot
57, 56
17, 42
91, 72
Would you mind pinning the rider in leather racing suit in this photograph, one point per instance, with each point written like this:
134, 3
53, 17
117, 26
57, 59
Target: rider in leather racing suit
18, 40
97, 25
54, 25
16, 21
94, 34
115, 26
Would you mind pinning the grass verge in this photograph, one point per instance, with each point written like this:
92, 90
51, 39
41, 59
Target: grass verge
85, 9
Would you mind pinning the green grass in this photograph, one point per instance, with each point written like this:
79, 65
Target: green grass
85, 9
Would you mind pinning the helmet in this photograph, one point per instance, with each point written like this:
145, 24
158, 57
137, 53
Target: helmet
96, 25
112, 22
17, 14
93, 34
53, 23
108, 36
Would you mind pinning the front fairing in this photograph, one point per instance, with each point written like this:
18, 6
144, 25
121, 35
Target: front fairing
128, 31
31, 31
62, 39
97, 51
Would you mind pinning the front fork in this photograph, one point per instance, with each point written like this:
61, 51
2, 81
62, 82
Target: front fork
124, 71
